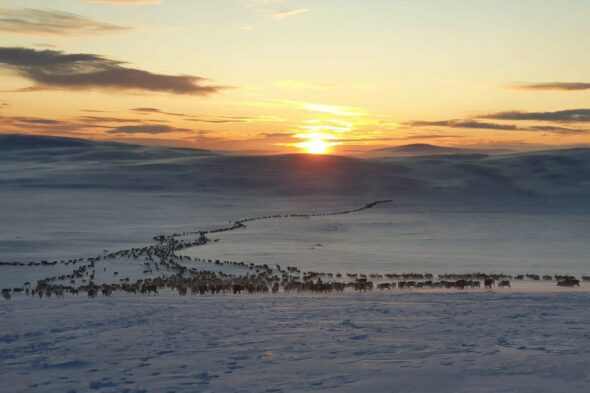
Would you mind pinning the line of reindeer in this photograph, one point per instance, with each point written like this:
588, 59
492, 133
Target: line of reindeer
259, 279
264, 280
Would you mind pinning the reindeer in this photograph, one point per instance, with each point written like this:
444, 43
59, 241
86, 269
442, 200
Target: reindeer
504, 283
569, 282
149, 288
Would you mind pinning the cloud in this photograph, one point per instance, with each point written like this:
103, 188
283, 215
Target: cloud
158, 111
558, 86
51, 69
85, 125
561, 130
33, 21
429, 136
146, 129
26, 125
147, 110
473, 124
210, 119
311, 107
565, 116
463, 124
289, 12
277, 135
105, 119
234, 119
35, 120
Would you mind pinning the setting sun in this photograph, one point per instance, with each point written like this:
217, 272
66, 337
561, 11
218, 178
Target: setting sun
315, 146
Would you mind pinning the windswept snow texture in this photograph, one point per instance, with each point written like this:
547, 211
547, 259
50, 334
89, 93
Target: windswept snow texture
470, 343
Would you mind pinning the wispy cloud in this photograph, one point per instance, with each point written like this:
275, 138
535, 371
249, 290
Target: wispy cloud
98, 120
234, 119
555, 86
310, 107
46, 22
148, 110
463, 124
35, 120
474, 124
210, 118
560, 130
283, 14
97, 126
146, 129
41, 125
565, 116
51, 69
334, 110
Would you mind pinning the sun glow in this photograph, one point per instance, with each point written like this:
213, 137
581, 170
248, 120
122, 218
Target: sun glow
314, 145
317, 146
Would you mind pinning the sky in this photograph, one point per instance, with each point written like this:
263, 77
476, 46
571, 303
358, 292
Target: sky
287, 76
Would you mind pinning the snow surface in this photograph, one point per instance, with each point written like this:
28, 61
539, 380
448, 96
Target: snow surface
58, 224
385, 239
380, 342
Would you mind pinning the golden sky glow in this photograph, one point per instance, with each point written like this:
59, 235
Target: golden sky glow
315, 76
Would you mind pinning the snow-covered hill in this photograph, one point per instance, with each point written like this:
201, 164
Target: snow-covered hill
556, 177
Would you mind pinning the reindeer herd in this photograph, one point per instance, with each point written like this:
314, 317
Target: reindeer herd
180, 274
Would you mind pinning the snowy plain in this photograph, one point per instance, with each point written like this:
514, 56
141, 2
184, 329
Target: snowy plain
64, 203
379, 342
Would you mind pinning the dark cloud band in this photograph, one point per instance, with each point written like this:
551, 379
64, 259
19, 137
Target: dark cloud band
514, 116
51, 69
463, 124
556, 86
565, 116
145, 129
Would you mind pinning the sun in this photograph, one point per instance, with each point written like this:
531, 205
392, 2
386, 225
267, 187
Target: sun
315, 146
315, 143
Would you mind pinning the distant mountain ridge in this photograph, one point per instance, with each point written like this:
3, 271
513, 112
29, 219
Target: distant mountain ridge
420, 148
417, 149
84, 148
560, 177
21, 141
